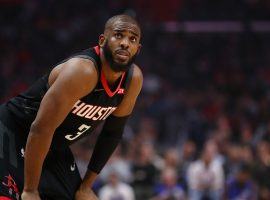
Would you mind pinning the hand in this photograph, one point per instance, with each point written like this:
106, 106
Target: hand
85, 194
30, 196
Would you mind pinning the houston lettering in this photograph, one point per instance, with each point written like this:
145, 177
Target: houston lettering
92, 112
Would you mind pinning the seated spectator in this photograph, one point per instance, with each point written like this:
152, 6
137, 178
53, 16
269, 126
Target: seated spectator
262, 169
116, 190
206, 176
241, 185
119, 164
144, 172
169, 189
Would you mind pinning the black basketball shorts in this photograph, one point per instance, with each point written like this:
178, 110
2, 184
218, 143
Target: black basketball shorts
60, 177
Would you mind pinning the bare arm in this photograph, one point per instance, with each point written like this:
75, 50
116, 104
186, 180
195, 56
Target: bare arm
71, 81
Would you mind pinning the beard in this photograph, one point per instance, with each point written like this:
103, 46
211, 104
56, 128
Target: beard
115, 66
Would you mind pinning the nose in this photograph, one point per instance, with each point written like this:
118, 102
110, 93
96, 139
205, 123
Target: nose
124, 43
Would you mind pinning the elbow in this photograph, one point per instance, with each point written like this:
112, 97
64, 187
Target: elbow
34, 127
39, 129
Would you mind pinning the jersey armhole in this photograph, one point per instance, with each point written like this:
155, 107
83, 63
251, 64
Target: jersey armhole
78, 56
129, 77
89, 58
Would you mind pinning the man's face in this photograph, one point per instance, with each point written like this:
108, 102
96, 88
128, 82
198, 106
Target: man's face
121, 45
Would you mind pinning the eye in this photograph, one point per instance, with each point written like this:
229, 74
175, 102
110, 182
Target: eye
133, 39
118, 35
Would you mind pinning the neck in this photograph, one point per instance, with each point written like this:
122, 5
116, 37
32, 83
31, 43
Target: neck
110, 75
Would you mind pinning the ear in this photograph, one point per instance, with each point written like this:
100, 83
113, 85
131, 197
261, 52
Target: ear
101, 40
139, 49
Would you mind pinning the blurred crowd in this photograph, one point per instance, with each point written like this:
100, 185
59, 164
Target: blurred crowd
201, 127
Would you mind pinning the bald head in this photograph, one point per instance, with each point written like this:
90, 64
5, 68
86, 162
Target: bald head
124, 19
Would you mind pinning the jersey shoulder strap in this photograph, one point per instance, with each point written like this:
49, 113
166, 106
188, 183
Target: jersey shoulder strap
128, 78
90, 53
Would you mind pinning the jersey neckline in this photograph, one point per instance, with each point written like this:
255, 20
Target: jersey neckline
104, 82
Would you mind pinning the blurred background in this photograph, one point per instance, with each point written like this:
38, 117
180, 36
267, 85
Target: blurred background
201, 126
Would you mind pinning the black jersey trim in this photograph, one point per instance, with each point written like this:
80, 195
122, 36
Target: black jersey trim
129, 77
89, 54
88, 58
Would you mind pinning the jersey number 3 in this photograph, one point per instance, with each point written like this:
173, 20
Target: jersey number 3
81, 129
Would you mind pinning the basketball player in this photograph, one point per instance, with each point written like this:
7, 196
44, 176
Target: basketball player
37, 127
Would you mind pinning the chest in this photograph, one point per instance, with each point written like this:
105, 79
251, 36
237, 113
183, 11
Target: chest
95, 106
86, 114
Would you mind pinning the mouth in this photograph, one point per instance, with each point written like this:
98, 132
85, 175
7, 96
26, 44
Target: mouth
122, 54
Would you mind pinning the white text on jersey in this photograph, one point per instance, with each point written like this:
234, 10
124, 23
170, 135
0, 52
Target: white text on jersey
92, 112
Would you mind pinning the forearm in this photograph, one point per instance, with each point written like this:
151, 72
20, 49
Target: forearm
37, 147
107, 142
104, 148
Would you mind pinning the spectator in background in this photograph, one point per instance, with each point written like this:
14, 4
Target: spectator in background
188, 154
262, 169
241, 185
115, 189
171, 158
205, 176
236, 154
169, 189
144, 172
233, 159
120, 165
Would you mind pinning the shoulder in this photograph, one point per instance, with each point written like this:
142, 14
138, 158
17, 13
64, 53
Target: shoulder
137, 75
82, 65
79, 69
83, 73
